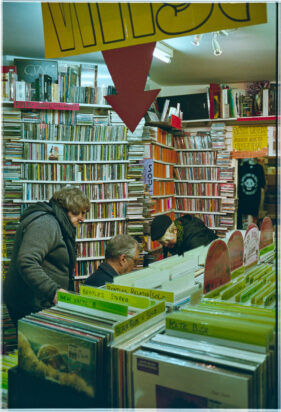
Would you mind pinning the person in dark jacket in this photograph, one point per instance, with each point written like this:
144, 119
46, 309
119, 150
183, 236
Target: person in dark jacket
185, 233
120, 256
44, 253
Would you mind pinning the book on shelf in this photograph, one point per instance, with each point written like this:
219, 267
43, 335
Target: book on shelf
215, 100
225, 111
164, 113
9, 79
20, 91
55, 151
47, 88
265, 102
88, 75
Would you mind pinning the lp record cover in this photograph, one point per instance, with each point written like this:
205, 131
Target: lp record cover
64, 357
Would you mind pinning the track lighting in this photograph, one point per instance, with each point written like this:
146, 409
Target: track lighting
196, 39
216, 46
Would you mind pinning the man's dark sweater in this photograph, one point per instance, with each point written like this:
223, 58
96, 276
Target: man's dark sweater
103, 275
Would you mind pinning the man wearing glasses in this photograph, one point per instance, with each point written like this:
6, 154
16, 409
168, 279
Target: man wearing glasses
120, 255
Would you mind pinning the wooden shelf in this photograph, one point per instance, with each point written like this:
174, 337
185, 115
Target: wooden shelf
71, 142
80, 182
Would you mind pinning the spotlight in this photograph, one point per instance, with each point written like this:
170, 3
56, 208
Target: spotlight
216, 47
196, 39
224, 32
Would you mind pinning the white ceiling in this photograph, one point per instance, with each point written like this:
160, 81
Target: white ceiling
249, 53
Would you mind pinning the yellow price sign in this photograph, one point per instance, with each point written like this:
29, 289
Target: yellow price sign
77, 28
251, 138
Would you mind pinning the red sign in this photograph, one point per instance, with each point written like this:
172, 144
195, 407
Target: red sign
129, 67
251, 246
266, 235
235, 247
46, 105
217, 267
175, 122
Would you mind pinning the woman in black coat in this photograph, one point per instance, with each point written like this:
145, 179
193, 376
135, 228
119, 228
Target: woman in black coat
44, 253
185, 233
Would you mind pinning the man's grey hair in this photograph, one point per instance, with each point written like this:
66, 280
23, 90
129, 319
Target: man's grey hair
119, 245
72, 199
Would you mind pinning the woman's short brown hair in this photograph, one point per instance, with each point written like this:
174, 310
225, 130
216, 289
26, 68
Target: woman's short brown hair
72, 199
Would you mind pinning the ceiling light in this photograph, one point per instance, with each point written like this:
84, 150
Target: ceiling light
224, 32
196, 39
216, 46
163, 52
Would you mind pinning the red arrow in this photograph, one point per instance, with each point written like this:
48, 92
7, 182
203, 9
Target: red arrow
129, 67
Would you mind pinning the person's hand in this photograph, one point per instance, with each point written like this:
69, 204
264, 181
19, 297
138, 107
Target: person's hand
55, 300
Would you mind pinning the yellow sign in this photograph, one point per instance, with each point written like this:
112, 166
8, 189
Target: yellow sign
134, 321
249, 139
150, 293
77, 28
136, 301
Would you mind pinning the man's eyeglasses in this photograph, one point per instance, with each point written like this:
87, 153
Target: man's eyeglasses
131, 257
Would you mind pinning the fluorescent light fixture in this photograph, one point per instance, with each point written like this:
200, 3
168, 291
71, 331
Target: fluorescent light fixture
216, 46
163, 52
196, 39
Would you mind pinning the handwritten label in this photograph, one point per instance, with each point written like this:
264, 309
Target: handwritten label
150, 293
251, 246
91, 303
46, 105
77, 28
217, 267
249, 141
136, 301
148, 174
123, 327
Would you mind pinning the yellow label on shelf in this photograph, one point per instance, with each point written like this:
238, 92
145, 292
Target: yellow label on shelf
77, 28
136, 301
216, 292
237, 272
150, 293
269, 298
125, 326
91, 303
246, 138
257, 299
229, 292
219, 327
